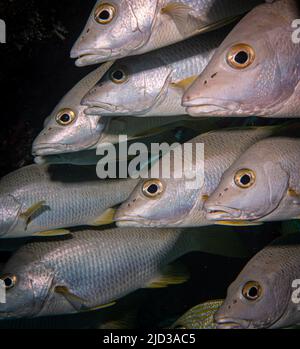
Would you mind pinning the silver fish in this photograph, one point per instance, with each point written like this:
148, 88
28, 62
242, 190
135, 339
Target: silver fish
262, 185
200, 317
255, 71
162, 202
94, 268
153, 84
68, 128
41, 200
265, 295
180, 131
119, 28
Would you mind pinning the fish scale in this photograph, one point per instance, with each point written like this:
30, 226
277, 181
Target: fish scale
73, 196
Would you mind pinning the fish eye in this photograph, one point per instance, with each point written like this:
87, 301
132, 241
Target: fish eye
252, 291
9, 281
153, 188
245, 178
105, 13
240, 56
118, 76
65, 117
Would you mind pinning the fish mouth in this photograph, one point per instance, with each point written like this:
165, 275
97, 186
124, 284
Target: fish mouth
232, 324
85, 58
138, 221
209, 106
223, 213
46, 149
96, 107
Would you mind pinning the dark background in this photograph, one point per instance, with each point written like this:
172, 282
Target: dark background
35, 73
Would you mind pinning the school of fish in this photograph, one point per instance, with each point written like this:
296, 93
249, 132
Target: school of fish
200, 107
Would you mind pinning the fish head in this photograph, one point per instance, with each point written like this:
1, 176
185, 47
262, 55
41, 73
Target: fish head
252, 73
130, 87
67, 130
158, 203
115, 29
10, 210
250, 190
26, 286
256, 299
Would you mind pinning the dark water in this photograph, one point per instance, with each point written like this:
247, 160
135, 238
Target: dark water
35, 73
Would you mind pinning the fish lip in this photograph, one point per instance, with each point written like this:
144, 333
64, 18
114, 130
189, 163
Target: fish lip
98, 105
218, 212
139, 221
232, 324
205, 106
45, 149
86, 57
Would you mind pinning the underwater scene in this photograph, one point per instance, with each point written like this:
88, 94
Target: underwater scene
150, 164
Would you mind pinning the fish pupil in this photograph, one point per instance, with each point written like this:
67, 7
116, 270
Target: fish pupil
253, 292
8, 282
118, 75
152, 189
65, 118
104, 15
241, 57
246, 179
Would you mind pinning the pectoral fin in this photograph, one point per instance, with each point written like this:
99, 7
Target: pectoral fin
184, 84
105, 219
27, 215
77, 302
174, 274
294, 195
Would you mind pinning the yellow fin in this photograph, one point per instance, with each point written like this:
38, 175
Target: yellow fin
293, 193
184, 84
238, 223
49, 233
70, 296
174, 274
106, 218
26, 216
103, 306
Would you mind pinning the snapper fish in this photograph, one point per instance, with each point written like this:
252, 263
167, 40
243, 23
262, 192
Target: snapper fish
255, 71
120, 28
153, 84
44, 200
262, 185
168, 200
266, 292
68, 128
92, 269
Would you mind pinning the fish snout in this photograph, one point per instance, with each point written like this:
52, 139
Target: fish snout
86, 57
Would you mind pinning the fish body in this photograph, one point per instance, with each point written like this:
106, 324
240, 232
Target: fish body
93, 268
262, 185
264, 295
35, 199
200, 317
176, 203
120, 28
68, 128
255, 71
152, 84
